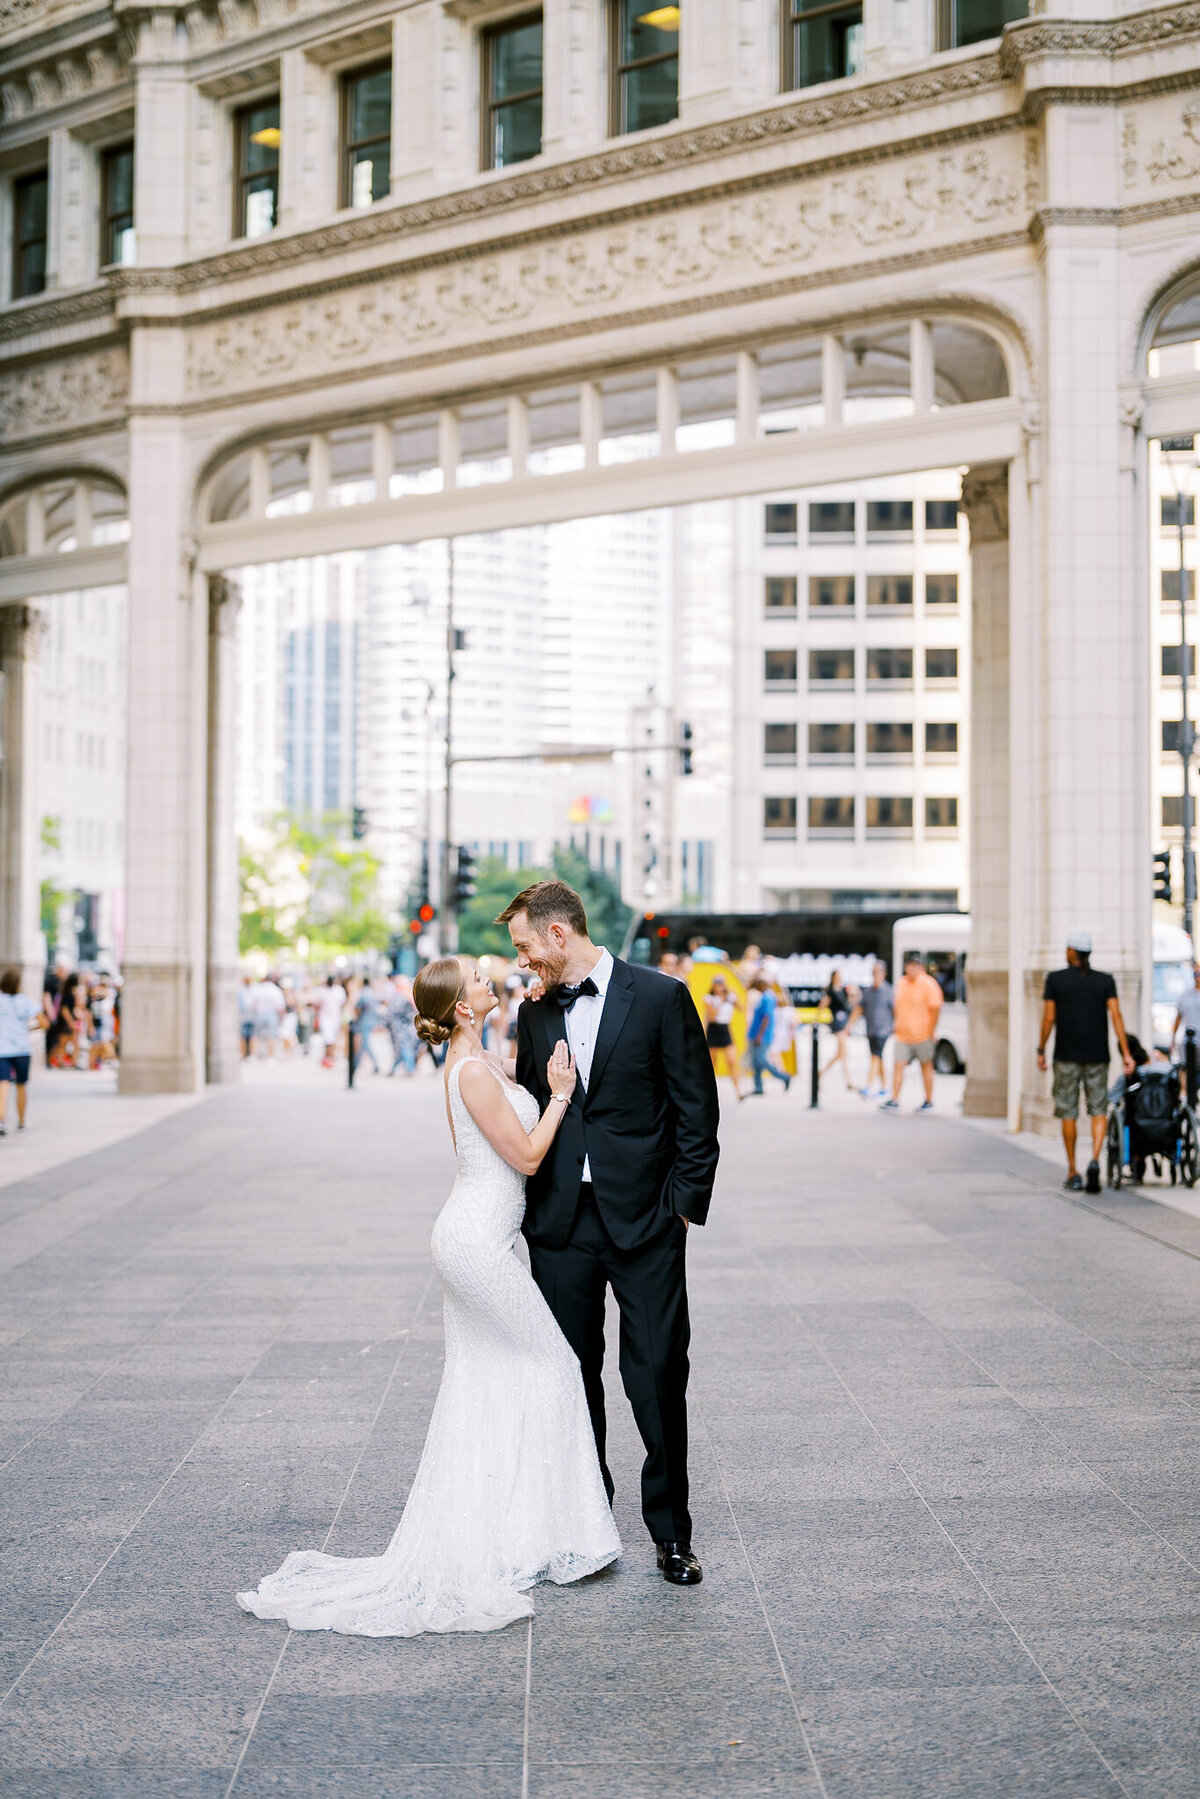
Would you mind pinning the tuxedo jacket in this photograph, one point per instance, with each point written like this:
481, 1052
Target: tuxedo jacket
647, 1123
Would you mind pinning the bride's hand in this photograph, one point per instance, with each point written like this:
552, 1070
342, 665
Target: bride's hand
560, 1071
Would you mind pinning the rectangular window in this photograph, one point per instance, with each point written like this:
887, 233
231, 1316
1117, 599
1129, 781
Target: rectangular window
646, 61
941, 590
831, 743
941, 515
889, 813
1170, 510
779, 668
1170, 585
889, 518
941, 814
367, 136
1171, 659
888, 591
258, 141
1172, 811
31, 194
961, 22
941, 665
836, 666
831, 815
512, 82
831, 518
1170, 736
821, 42
779, 593
120, 244
779, 743
830, 590
779, 816
889, 665
779, 522
889, 741
941, 740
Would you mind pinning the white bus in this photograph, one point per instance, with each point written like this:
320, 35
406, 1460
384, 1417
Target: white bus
942, 940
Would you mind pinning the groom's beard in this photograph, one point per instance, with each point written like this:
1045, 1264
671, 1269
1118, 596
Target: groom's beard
550, 967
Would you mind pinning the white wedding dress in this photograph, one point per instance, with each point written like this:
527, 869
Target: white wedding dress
508, 1491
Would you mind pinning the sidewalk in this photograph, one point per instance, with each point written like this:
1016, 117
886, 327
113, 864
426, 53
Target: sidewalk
944, 1443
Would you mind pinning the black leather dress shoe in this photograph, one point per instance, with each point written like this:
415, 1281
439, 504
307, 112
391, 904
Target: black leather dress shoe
679, 1565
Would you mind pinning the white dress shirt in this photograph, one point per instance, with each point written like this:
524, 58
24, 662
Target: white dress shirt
583, 1026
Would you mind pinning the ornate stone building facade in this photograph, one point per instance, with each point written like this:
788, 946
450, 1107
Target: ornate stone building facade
210, 307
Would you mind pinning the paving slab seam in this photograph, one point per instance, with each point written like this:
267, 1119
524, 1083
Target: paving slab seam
138, 1343
800, 1725
525, 1728
367, 1435
1123, 1224
154, 1499
946, 1533
1062, 1447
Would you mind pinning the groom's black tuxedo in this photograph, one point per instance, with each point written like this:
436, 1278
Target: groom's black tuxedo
647, 1126
647, 1122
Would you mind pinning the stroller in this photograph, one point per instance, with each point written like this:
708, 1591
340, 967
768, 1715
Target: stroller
1151, 1124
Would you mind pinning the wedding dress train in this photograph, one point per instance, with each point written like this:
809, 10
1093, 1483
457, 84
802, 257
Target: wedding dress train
508, 1492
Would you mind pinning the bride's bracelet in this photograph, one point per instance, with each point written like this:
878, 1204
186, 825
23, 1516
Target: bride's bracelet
559, 1096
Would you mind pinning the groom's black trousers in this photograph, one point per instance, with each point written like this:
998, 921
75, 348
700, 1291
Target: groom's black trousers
650, 1289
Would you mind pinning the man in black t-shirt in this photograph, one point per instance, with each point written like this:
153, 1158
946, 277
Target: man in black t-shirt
1078, 1001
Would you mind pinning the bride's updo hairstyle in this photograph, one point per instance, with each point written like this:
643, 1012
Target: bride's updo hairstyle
437, 990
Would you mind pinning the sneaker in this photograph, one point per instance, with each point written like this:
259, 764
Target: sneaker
1073, 1184
890, 1105
865, 1093
926, 1105
1093, 1177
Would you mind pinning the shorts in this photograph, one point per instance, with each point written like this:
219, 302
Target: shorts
719, 1036
877, 1045
15, 1068
267, 1027
247, 1029
913, 1052
1069, 1077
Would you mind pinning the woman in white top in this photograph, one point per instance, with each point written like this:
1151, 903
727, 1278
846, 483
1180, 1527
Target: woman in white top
18, 1016
719, 1008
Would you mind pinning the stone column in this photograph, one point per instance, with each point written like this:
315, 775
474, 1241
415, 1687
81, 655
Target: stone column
164, 1002
985, 502
223, 1062
21, 630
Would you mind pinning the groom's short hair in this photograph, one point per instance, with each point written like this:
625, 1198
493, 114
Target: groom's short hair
547, 903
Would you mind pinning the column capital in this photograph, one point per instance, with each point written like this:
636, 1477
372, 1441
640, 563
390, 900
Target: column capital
224, 604
22, 627
985, 502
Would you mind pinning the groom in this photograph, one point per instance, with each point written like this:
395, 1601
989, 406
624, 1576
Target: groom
632, 1165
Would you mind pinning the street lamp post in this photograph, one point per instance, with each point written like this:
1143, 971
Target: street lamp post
449, 934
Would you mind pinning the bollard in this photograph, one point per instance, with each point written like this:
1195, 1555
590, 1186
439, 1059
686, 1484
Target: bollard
1190, 1068
814, 1090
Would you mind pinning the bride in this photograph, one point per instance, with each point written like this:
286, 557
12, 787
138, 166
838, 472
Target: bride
508, 1491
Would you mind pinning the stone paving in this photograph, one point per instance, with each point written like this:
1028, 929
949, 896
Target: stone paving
945, 1433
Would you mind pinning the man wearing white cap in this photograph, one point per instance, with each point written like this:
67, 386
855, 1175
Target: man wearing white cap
1078, 1002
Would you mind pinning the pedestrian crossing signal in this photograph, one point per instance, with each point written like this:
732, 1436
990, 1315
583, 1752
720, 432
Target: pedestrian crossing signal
1162, 876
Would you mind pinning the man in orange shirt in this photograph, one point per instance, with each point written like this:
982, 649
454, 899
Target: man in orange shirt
918, 1002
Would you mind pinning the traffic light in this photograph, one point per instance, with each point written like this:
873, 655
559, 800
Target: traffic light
358, 823
685, 748
1162, 875
464, 879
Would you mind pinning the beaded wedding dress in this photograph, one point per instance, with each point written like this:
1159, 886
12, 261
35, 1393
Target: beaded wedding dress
508, 1492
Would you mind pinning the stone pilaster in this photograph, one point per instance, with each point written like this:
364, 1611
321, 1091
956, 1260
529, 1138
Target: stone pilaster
223, 1057
21, 630
985, 502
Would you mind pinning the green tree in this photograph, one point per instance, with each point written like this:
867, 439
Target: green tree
306, 877
496, 883
52, 895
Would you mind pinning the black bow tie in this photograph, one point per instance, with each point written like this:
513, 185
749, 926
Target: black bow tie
566, 996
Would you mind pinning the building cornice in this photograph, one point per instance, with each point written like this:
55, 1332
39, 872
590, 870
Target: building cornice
1030, 40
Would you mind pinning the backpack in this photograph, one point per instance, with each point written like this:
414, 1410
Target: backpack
1152, 1104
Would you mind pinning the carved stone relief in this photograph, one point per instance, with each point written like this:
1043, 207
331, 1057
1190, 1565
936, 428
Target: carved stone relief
914, 205
68, 392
